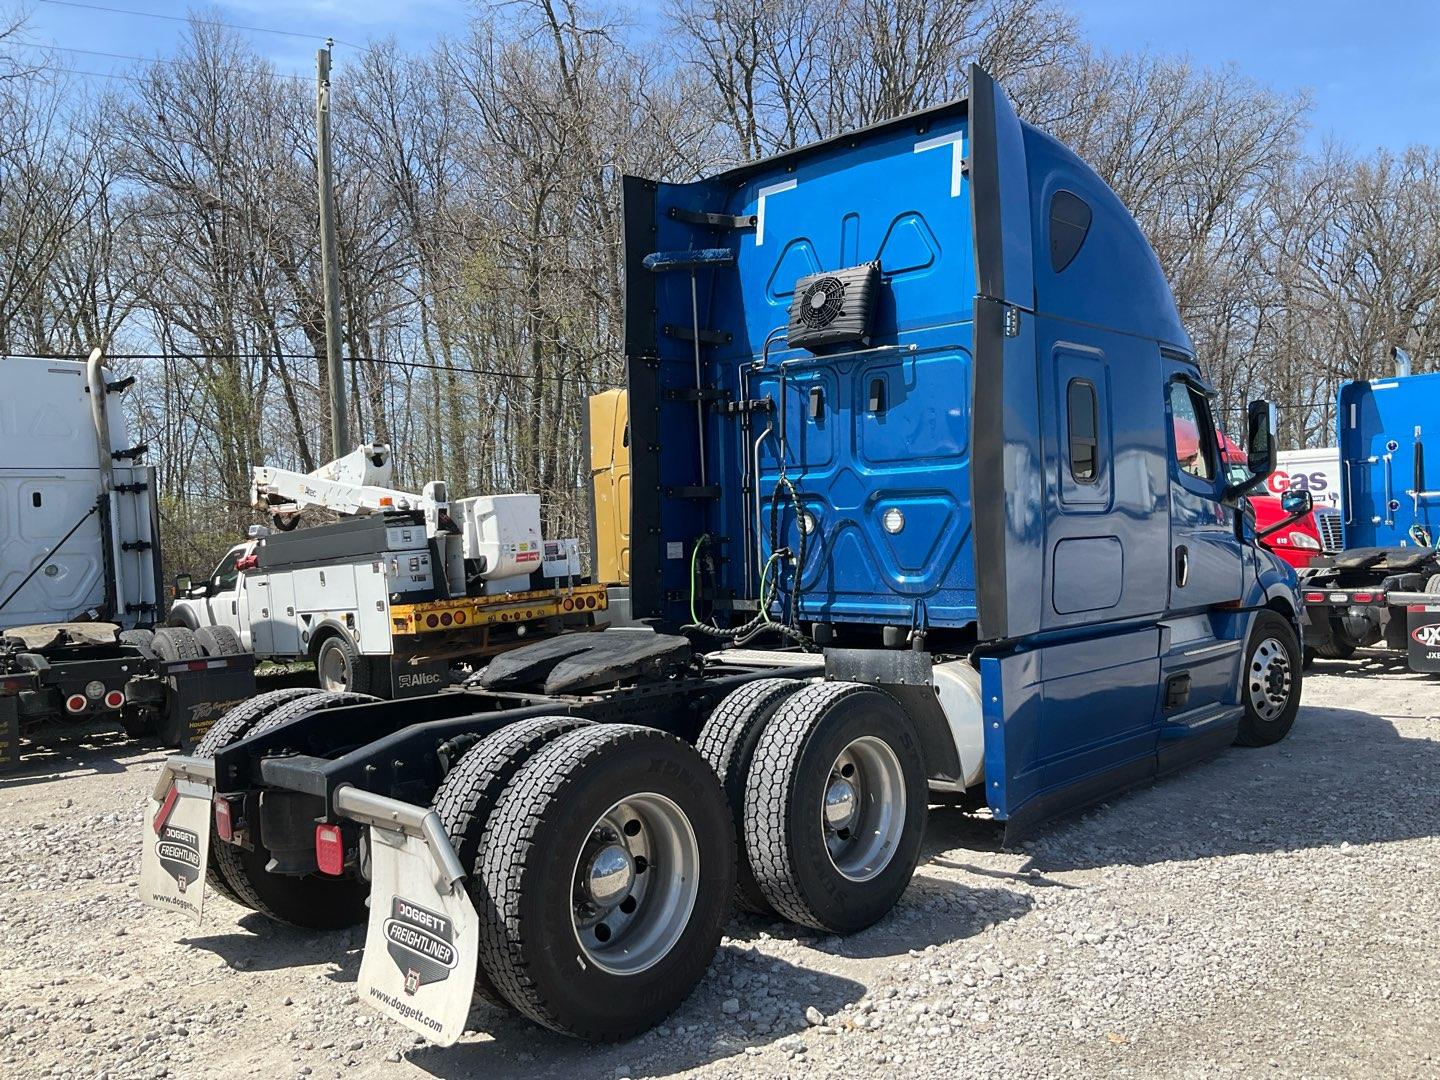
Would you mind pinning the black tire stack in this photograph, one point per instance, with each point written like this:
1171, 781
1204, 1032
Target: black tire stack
520, 808
773, 743
312, 901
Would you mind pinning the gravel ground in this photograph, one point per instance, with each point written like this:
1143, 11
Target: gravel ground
1269, 912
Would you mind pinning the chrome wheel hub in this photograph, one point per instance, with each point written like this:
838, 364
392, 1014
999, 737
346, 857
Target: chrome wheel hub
840, 804
635, 883
1269, 679
863, 810
610, 876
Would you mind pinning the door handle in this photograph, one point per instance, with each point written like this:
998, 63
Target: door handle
1182, 566
234, 607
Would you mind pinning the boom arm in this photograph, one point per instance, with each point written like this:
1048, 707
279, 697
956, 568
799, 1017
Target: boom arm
355, 484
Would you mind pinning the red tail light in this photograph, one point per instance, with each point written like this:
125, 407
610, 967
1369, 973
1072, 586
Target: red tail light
224, 823
569, 604
14, 686
330, 849
589, 601
432, 620
1314, 598
1364, 597
446, 618
75, 703
114, 699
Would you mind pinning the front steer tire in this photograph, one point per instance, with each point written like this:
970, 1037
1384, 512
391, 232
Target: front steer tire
1270, 682
470, 792
539, 942
311, 901
827, 740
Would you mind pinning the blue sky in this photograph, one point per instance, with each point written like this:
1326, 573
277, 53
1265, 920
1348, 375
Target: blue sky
1373, 69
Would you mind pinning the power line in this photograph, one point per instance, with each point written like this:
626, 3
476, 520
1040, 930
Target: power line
195, 19
151, 60
409, 364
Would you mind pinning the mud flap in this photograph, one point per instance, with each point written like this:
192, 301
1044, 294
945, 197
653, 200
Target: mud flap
1423, 632
175, 846
423, 941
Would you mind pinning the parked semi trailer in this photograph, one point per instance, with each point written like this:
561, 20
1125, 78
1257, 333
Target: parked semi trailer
908, 522
1383, 589
400, 592
80, 570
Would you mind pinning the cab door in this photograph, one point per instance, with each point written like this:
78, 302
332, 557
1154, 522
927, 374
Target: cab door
1206, 567
222, 600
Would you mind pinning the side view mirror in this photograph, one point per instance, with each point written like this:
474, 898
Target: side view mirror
1298, 503
183, 584
1260, 439
1259, 449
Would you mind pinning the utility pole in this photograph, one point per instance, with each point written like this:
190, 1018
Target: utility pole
329, 258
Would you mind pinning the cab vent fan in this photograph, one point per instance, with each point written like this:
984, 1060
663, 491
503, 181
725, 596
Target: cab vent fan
833, 308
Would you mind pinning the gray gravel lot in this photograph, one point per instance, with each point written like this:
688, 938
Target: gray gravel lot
1271, 912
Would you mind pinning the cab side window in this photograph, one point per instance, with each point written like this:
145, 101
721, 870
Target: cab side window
1193, 431
226, 574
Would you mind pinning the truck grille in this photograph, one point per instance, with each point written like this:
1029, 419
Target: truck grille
1332, 534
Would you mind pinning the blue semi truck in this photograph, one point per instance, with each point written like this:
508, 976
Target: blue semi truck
1383, 589
909, 523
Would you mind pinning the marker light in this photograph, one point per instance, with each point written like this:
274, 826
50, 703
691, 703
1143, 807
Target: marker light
894, 520
224, 823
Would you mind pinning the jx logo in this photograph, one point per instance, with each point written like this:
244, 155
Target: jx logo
1429, 635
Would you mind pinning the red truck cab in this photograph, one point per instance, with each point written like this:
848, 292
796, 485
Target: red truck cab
1299, 543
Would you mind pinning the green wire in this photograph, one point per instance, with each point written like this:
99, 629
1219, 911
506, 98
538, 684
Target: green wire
694, 567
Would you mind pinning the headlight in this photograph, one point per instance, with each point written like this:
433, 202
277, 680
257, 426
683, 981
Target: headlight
1304, 540
94, 689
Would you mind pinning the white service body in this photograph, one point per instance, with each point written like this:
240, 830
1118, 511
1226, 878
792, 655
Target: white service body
277, 611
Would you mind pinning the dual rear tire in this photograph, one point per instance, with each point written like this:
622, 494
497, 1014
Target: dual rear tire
310, 901
826, 783
602, 864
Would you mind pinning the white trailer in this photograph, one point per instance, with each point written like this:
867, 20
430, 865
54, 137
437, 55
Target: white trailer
80, 567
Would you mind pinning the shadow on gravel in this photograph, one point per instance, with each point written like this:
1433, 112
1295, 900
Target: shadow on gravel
1367, 664
1343, 776
261, 945
698, 1033
83, 749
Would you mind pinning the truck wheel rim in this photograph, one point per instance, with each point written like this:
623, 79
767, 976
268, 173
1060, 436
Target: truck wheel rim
1269, 679
635, 884
333, 675
862, 810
